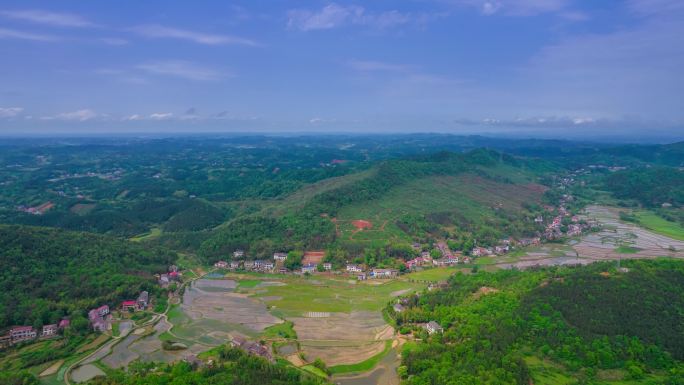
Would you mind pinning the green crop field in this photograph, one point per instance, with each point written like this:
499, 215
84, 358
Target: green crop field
434, 274
660, 225
322, 294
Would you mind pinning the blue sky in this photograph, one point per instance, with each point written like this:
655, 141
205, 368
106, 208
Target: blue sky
540, 67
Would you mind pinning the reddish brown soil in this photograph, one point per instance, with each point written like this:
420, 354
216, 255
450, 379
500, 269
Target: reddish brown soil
360, 224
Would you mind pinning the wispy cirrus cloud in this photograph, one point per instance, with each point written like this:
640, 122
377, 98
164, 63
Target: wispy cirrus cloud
334, 16
10, 112
74, 116
55, 19
6, 33
155, 31
516, 7
183, 69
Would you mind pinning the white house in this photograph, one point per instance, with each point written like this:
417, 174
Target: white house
354, 268
433, 327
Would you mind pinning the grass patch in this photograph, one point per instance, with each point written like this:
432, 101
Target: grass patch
433, 274
626, 250
300, 295
154, 232
362, 366
314, 370
248, 284
660, 225
546, 372
283, 330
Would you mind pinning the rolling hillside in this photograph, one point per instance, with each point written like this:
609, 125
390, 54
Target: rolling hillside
481, 193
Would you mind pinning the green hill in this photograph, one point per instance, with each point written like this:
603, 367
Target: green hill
480, 193
594, 324
48, 274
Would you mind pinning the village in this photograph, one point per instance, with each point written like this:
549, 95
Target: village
107, 318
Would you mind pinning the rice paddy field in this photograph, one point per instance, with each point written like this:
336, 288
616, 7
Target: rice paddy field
615, 240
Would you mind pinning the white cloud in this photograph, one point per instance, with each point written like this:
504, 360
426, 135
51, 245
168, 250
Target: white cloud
515, 7
161, 116
80, 115
133, 117
161, 32
10, 112
183, 69
48, 18
14, 34
334, 16
331, 16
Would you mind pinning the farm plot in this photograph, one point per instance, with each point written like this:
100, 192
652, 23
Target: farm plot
86, 372
342, 338
121, 354
295, 296
617, 236
616, 240
207, 310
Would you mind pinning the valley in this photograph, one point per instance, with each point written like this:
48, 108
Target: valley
324, 271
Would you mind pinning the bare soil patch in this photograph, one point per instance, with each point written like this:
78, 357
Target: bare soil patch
314, 257
361, 224
52, 369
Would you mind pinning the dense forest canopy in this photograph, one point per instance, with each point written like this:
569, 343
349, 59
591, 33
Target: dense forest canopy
586, 320
48, 274
651, 187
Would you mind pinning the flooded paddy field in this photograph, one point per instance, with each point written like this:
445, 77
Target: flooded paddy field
342, 338
209, 309
615, 240
121, 355
86, 372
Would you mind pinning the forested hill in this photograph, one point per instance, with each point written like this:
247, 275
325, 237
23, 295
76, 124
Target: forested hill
306, 222
50, 273
593, 324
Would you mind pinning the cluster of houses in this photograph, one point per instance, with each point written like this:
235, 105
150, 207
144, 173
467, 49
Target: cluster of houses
138, 304
19, 334
100, 318
251, 347
362, 274
172, 276
256, 265
554, 229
